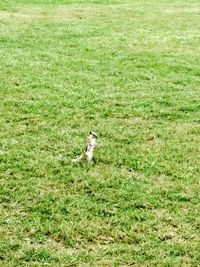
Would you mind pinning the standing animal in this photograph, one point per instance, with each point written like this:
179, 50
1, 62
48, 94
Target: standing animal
87, 155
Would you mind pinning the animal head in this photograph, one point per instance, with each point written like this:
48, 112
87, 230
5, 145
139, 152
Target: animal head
93, 134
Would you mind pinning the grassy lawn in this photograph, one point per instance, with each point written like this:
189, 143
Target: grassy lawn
129, 70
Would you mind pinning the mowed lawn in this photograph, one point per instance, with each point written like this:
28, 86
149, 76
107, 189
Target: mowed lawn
129, 70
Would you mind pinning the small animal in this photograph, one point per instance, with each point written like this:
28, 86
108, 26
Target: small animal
88, 153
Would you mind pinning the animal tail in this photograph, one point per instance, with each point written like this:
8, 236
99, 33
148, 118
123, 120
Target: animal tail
78, 159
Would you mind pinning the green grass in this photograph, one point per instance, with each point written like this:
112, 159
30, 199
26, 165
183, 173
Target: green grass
130, 71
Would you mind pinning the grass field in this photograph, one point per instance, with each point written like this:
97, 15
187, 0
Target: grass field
129, 70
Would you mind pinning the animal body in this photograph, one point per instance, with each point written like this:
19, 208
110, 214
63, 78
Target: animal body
88, 153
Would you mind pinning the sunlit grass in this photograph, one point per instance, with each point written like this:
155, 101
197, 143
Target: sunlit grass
128, 70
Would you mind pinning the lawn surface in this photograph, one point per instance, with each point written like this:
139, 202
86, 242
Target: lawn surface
129, 70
